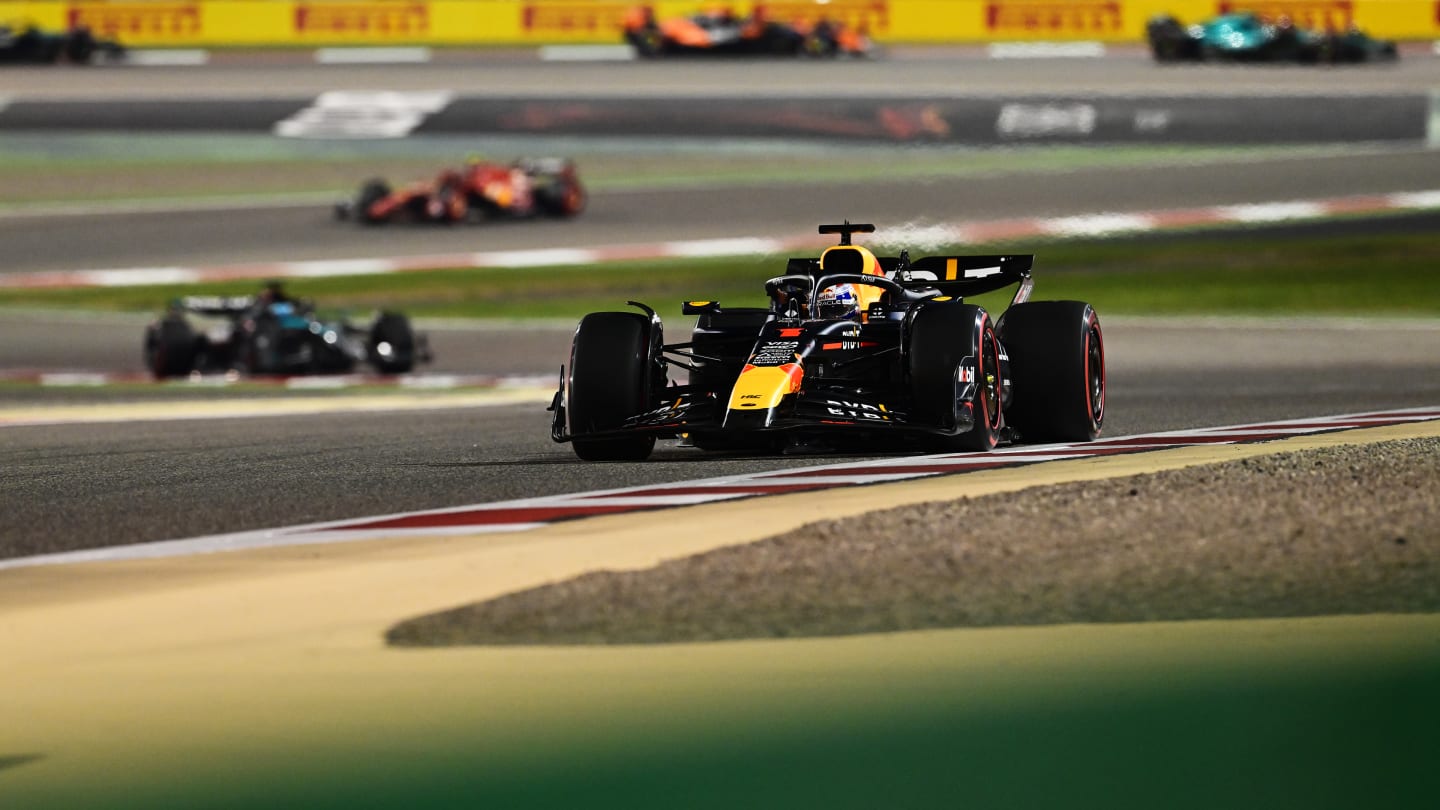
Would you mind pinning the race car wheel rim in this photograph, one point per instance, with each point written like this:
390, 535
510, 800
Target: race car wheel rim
989, 372
1095, 370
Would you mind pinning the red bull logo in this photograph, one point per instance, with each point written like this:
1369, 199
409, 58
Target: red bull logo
861, 15
573, 17
1335, 15
177, 21
382, 20
1029, 17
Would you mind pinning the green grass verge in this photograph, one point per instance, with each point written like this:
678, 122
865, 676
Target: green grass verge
1249, 273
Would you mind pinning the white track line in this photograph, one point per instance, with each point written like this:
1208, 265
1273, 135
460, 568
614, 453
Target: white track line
372, 56
166, 58
1046, 50
1097, 224
529, 513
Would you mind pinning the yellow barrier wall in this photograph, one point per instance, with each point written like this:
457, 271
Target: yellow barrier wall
291, 23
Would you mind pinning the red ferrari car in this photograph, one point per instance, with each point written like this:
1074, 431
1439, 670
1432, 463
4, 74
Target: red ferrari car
722, 32
530, 187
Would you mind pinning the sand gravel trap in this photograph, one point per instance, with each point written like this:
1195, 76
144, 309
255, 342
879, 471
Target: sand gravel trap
1340, 530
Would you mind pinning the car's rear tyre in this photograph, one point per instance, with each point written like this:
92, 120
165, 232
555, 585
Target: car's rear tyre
953, 360
170, 348
1057, 369
392, 344
371, 192
80, 47
1166, 36
561, 199
611, 377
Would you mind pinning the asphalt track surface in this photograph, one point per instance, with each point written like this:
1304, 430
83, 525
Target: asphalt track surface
208, 237
74, 486
223, 237
88, 485
903, 72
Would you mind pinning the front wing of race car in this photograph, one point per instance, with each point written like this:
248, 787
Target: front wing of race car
702, 415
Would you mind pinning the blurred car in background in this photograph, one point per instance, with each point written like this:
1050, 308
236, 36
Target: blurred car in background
271, 333
722, 32
27, 43
1246, 36
529, 187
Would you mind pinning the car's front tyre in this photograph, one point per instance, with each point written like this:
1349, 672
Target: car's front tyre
170, 348
610, 381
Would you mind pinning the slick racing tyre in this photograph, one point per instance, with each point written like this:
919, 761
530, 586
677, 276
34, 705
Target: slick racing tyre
561, 199
1057, 369
372, 192
610, 381
392, 344
81, 46
1167, 38
170, 348
953, 359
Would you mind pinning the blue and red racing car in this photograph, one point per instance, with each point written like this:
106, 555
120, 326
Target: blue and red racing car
853, 348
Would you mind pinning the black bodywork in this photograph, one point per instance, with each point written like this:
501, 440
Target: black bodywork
257, 335
920, 368
30, 44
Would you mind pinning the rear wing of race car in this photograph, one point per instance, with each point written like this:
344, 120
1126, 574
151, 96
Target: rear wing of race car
964, 276
215, 304
954, 276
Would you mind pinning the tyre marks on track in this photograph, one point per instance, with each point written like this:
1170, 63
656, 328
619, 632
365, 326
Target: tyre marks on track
531, 513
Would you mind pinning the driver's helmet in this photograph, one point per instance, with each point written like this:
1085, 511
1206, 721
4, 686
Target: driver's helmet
838, 302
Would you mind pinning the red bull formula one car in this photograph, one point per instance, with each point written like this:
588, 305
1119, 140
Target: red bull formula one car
877, 351
526, 188
721, 32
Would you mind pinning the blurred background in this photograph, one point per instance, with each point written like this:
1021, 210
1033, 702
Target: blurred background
205, 141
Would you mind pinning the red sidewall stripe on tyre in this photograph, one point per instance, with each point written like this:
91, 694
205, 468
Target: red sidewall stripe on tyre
1092, 331
524, 514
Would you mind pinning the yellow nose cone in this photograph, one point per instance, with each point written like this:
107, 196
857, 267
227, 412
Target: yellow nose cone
761, 388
